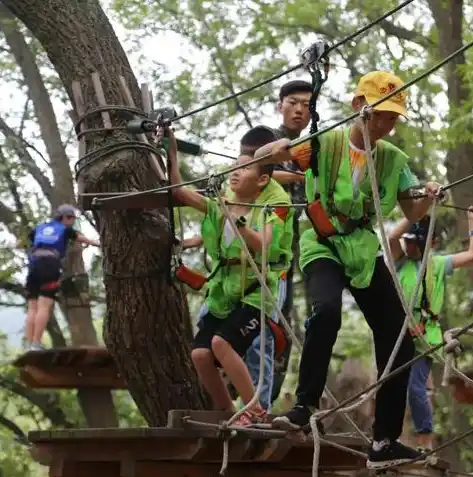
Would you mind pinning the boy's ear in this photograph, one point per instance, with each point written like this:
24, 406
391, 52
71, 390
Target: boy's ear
263, 181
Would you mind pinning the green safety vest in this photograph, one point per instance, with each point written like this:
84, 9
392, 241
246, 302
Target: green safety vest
357, 251
435, 293
227, 287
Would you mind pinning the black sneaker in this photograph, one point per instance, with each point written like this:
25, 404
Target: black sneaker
391, 454
296, 419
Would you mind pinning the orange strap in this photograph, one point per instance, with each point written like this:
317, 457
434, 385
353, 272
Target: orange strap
280, 338
320, 220
417, 330
282, 212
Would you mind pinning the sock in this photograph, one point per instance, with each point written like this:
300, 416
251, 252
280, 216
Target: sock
378, 445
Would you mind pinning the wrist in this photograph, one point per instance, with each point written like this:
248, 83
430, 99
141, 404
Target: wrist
240, 222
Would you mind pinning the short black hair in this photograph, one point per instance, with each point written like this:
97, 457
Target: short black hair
254, 139
295, 86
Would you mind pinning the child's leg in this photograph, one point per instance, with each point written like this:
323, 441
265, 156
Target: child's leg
231, 342
419, 402
204, 362
48, 274
43, 313
32, 291
252, 360
30, 319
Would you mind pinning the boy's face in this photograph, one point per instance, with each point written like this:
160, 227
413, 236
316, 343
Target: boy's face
381, 122
68, 220
247, 181
295, 111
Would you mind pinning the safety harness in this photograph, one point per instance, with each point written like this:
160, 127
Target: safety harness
318, 216
425, 309
196, 280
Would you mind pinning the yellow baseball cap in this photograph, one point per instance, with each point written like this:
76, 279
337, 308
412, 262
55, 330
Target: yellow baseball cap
377, 84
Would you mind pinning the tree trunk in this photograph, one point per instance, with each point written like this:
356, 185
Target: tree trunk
144, 327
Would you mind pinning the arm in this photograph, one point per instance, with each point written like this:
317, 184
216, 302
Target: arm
185, 195
277, 152
254, 239
414, 209
79, 238
286, 177
395, 239
192, 242
465, 259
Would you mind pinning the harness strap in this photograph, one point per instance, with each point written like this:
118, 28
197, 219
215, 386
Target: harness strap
45, 252
278, 332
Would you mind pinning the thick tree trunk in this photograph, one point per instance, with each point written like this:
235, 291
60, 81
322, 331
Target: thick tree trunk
144, 328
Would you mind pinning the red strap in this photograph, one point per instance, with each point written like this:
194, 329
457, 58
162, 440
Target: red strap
282, 212
51, 285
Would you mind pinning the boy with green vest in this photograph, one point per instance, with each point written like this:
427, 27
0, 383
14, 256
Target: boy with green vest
341, 251
426, 311
234, 292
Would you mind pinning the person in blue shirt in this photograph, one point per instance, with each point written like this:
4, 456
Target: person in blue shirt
49, 243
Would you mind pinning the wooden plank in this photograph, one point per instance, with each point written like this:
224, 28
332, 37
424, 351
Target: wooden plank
154, 162
72, 378
101, 99
64, 356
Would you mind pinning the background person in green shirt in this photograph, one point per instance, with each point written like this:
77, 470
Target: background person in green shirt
234, 293
342, 250
426, 310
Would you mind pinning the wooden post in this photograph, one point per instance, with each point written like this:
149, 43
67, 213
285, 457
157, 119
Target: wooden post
154, 162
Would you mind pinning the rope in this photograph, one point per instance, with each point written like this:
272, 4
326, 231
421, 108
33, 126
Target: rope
259, 387
309, 137
295, 67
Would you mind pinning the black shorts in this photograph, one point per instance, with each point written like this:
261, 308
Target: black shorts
239, 329
43, 277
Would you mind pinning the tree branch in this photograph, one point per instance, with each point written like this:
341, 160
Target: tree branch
12, 287
20, 436
47, 403
11, 184
64, 191
404, 34
20, 147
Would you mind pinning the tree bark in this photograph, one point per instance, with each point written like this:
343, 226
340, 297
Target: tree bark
144, 329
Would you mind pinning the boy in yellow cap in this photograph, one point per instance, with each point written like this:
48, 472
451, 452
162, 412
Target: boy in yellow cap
341, 251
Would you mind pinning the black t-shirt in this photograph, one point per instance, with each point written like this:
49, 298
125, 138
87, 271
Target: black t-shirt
295, 189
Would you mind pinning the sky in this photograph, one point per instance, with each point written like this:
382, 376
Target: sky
11, 320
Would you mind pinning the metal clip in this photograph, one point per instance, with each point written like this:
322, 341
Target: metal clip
213, 184
163, 118
315, 54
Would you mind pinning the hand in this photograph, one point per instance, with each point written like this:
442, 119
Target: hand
432, 189
280, 147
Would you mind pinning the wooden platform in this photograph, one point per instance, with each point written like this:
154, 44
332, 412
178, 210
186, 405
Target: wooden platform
69, 368
180, 450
